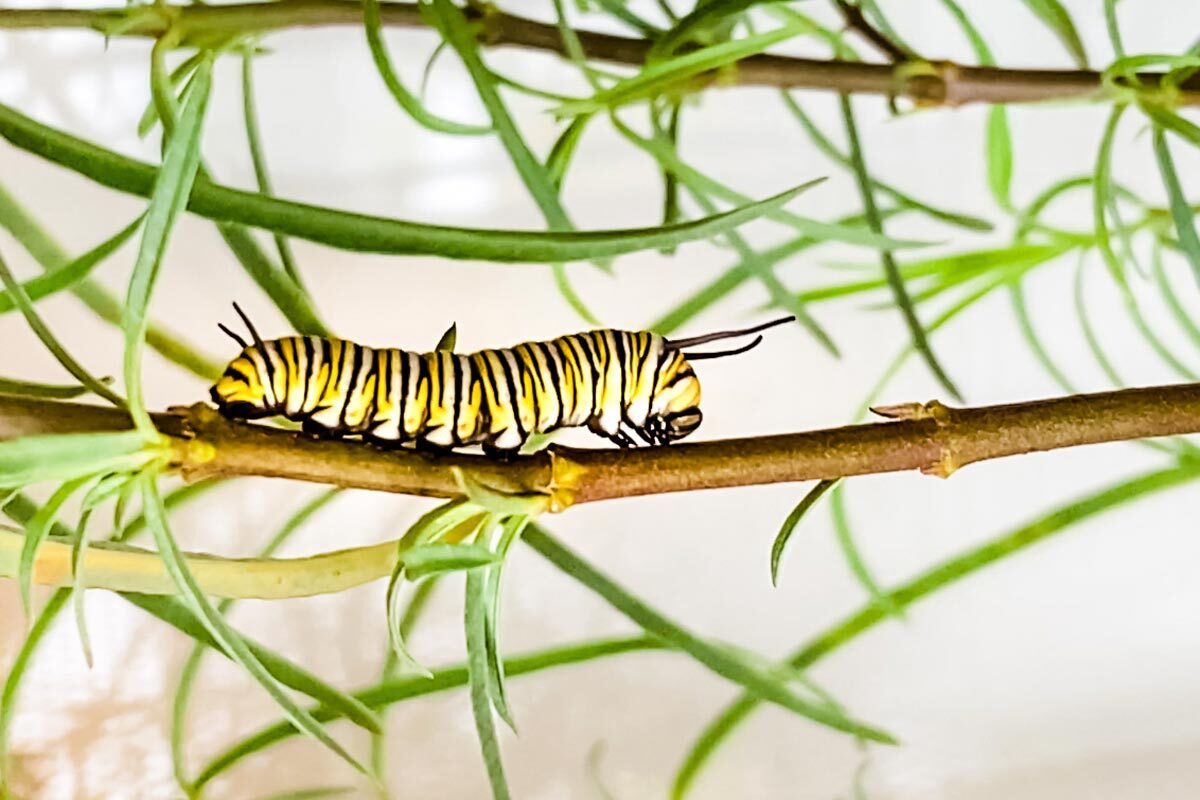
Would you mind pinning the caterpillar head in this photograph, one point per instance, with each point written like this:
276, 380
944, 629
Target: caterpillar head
241, 392
675, 407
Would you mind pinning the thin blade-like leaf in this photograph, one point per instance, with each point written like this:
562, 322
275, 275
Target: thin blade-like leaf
793, 519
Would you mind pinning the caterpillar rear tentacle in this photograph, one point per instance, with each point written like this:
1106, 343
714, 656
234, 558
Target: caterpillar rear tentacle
619, 384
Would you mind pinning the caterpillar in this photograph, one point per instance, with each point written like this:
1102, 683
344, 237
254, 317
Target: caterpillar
616, 383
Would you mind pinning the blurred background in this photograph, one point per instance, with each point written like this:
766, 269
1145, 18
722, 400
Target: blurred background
1066, 672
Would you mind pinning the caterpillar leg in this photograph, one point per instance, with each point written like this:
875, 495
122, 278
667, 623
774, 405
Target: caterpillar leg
491, 450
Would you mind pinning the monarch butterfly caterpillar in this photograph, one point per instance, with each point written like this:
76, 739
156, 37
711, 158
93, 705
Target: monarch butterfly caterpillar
617, 383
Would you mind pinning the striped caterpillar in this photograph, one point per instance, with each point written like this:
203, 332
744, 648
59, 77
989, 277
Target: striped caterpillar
617, 383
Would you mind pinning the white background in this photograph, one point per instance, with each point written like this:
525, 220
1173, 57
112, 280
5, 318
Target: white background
1066, 672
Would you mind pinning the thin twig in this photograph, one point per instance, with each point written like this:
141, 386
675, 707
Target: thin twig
937, 83
856, 21
932, 437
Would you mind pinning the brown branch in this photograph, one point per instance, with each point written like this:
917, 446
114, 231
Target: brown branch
943, 83
932, 438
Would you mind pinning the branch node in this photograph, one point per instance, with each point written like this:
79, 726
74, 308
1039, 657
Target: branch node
944, 467
935, 410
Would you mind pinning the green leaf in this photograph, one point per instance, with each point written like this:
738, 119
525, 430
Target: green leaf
53, 392
259, 159
854, 559
433, 559
714, 657
907, 201
36, 532
927, 583
279, 667
66, 277
63, 457
443, 679
413, 612
793, 519
697, 25
667, 157
499, 502
1055, 16
1113, 27
449, 338
538, 182
1171, 298
360, 232
181, 160
999, 156
179, 75
1102, 192
34, 320
510, 532
563, 150
895, 281
667, 76
16, 672
1181, 211
477, 669
410, 103
78, 585
226, 637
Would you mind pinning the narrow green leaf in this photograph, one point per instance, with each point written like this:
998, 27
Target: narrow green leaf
927, 583
68, 276
1169, 120
1113, 27
259, 160
999, 156
668, 75
509, 533
1025, 325
432, 559
449, 338
78, 585
1171, 298
1055, 16
711, 656
413, 612
907, 201
499, 502
793, 519
34, 320
1102, 193
277, 666
412, 106
359, 232
181, 160
16, 673
63, 457
443, 679
695, 27
312, 794
226, 637
1181, 210
854, 559
538, 182
895, 281
776, 290
857, 235
53, 392
180, 74
563, 150
36, 532
477, 669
